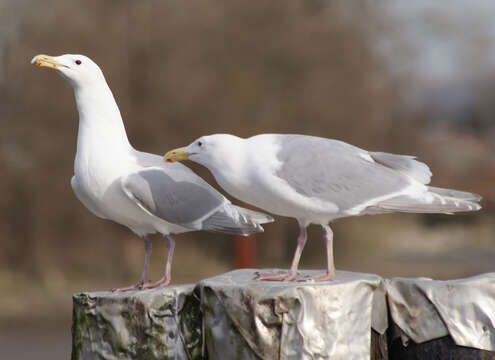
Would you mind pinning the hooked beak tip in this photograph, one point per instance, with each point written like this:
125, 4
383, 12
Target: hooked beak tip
176, 155
47, 61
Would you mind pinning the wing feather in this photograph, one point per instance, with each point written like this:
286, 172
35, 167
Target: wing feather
335, 171
171, 196
177, 195
405, 164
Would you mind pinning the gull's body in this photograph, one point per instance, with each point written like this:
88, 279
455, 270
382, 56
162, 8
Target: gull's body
136, 189
317, 180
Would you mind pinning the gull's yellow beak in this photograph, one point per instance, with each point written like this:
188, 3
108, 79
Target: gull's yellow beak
176, 155
46, 60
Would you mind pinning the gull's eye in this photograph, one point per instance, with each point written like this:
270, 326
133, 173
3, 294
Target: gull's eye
78, 62
200, 143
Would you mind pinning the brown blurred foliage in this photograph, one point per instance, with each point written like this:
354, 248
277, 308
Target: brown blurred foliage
181, 69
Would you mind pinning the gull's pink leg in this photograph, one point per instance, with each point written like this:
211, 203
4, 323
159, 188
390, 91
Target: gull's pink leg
168, 268
292, 273
144, 274
330, 274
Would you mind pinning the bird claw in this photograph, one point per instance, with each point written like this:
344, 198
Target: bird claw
292, 276
320, 277
138, 286
162, 282
285, 276
143, 285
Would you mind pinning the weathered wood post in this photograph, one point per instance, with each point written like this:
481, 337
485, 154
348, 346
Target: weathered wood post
163, 323
238, 318
232, 316
249, 319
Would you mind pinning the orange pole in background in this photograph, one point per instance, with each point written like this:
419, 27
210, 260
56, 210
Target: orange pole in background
245, 251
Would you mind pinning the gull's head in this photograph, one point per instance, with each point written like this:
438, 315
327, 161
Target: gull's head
210, 151
79, 70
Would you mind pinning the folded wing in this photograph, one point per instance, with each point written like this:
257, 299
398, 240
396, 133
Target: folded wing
177, 195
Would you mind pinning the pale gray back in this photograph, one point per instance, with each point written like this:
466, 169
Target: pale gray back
346, 175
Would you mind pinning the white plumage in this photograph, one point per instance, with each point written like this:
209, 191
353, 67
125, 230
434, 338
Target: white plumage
136, 189
318, 180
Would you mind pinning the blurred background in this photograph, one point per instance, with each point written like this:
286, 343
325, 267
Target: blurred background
412, 78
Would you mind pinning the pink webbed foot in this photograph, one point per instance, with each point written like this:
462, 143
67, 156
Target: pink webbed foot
326, 276
285, 276
164, 281
137, 286
144, 275
292, 273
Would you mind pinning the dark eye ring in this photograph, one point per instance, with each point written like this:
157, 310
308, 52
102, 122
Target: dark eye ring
78, 62
200, 143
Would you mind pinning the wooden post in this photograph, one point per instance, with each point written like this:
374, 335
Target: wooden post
232, 316
163, 323
248, 319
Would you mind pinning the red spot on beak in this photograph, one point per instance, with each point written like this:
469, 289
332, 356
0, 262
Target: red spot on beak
170, 160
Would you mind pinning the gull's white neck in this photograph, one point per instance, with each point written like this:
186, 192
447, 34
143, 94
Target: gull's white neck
100, 122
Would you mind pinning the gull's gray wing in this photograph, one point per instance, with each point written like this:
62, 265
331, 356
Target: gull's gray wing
406, 164
346, 175
172, 192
